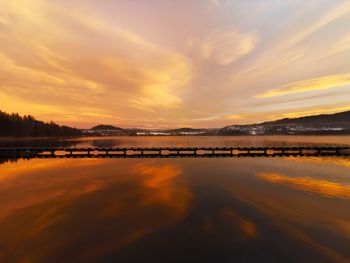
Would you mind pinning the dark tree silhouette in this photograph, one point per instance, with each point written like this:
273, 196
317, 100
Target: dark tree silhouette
23, 126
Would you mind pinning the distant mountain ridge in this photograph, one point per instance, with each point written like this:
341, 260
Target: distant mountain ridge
323, 124
106, 128
342, 118
337, 123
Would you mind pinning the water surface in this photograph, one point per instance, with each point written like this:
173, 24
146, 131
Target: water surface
177, 210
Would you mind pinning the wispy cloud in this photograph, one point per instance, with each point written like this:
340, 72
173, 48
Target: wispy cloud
216, 2
227, 46
332, 15
291, 47
322, 83
340, 46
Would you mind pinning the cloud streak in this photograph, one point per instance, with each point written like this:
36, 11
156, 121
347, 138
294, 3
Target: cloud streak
310, 85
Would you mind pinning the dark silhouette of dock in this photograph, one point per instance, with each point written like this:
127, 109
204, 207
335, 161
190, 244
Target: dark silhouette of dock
172, 152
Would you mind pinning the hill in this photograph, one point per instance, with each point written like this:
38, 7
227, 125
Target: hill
323, 124
340, 119
106, 128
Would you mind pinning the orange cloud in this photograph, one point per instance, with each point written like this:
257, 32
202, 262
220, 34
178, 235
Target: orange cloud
107, 69
316, 84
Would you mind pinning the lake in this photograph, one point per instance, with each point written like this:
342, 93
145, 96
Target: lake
283, 209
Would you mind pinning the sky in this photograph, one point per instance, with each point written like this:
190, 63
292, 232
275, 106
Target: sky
167, 64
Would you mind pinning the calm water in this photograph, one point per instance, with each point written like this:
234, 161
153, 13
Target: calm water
176, 210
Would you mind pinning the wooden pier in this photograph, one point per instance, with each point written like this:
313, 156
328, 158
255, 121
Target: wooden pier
171, 152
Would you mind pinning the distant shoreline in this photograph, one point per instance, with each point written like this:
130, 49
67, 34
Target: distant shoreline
4, 139
27, 127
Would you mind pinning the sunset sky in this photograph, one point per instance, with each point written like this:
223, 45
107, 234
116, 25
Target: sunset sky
167, 63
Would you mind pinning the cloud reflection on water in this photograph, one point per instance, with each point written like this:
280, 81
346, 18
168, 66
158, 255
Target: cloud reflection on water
136, 210
323, 187
82, 210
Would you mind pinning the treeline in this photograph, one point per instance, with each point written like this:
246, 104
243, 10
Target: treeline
14, 125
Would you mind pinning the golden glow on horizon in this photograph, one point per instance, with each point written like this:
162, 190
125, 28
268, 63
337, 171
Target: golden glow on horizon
82, 63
